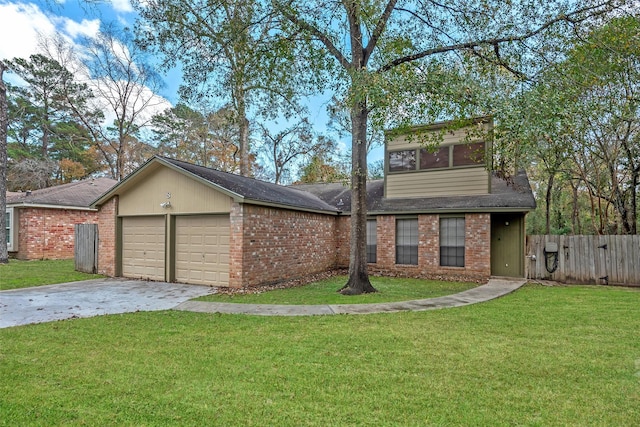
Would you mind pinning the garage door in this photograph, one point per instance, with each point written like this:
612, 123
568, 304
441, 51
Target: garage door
202, 250
143, 247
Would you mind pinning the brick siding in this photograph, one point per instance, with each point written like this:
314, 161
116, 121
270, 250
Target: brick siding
273, 244
107, 217
49, 233
477, 249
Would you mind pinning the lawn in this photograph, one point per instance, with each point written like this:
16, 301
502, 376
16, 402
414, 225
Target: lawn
325, 292
540, 356
22, 274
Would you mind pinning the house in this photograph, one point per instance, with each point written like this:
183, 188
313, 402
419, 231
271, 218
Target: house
40, 223
438, 212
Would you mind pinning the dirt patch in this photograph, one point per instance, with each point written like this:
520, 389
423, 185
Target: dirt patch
294, 283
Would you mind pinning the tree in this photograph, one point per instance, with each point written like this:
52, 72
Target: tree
282, 150
228, 51
380, 53
204, 138
124, 85
4, 255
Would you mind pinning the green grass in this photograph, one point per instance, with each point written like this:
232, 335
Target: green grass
543, 356
22, 274
325, 292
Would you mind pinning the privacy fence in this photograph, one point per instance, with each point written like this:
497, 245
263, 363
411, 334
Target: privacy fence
86, 248
603, 260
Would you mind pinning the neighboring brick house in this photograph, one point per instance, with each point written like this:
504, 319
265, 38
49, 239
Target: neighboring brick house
442, 214
40, 223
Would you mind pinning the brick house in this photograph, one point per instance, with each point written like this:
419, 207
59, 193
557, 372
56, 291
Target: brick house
40, 223
441, 213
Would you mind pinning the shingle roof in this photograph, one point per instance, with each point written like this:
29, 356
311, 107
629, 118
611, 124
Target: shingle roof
75, 194
504, 195
254, 189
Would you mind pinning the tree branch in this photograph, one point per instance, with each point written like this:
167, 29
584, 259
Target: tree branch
378, 30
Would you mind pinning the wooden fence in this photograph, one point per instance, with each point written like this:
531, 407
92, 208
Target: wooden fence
608, 260
86, 248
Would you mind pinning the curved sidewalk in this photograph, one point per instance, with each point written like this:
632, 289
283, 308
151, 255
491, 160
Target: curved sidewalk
493, 289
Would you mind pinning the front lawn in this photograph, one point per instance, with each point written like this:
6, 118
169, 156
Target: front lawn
548, 356
325, 292
22, 274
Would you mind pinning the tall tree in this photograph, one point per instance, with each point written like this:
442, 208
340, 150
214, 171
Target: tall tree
228, 51
283, 150
379, 52
4, 255
125, 87
205, 138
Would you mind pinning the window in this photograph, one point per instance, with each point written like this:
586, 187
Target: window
452, 242
431, 160
372, 237
400, 161
468, 154
407, 241
9, 228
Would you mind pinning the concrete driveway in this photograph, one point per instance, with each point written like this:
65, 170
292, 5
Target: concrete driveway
91, 298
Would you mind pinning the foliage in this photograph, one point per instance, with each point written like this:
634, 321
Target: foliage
541, 356
23, 274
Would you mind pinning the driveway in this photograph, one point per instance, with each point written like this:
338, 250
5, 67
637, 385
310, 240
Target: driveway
91, 298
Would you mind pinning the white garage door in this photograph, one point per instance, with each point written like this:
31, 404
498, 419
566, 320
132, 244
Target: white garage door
143, 247
202, 250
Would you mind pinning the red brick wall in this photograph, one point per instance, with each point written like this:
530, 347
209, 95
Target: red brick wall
49, 233
343, 227
477, 249
279, 244
107, 216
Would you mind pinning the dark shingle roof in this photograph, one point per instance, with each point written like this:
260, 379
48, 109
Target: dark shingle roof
75, 194
256, 190
504, 195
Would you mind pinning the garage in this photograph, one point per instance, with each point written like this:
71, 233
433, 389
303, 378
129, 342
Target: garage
202, 249
143, 247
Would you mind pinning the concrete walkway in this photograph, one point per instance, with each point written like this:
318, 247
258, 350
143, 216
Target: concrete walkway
493, 289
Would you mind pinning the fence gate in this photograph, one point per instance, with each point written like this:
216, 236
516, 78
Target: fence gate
86, 248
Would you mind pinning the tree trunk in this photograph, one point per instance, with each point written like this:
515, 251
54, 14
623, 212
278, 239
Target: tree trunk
4, 255
548, 201
358, 282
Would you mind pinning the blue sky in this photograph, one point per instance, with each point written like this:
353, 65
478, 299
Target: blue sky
22, 22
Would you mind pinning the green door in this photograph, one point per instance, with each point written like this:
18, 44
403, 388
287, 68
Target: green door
507, 245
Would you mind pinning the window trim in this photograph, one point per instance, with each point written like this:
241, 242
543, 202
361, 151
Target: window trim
464, 242
375, 242
412, 246
417, 158
9, 229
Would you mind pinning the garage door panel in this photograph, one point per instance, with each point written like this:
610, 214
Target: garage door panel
143, 247
202, 250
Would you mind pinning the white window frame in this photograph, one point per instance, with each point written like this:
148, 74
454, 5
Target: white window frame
9, 229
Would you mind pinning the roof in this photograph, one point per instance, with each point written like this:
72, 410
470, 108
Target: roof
241, 188
515, 195
77, 194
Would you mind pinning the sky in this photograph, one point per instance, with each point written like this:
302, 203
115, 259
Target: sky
23, 22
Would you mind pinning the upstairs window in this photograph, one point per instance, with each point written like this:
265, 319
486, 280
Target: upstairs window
452, 242
433, 160
407, 241
372, 237
400, 161
468, 154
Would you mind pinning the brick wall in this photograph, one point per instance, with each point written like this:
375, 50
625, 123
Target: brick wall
279, 244
477, 249
107, 216
49, 233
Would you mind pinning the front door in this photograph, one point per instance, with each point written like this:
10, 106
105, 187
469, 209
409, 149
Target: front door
507, 245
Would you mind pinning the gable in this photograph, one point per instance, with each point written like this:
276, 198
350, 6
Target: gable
161, 184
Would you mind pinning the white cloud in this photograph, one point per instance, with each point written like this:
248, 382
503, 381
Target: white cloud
20, 25
85, 28
121, 5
